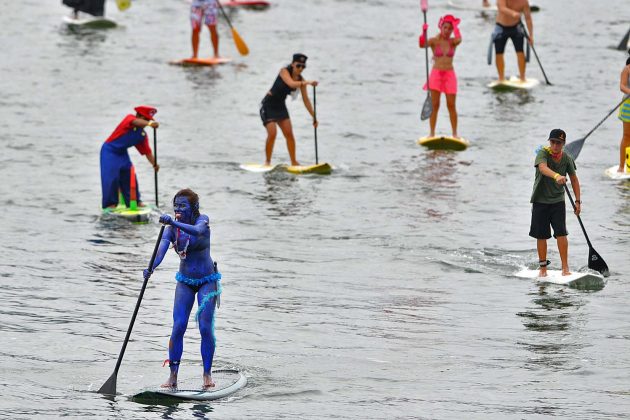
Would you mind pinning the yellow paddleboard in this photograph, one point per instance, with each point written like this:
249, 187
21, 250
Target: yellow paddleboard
513, 83
444, 143
123, 4
211, 61
139, 215
321, 169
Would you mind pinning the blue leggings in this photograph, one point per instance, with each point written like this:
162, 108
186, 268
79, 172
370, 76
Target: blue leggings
184, 300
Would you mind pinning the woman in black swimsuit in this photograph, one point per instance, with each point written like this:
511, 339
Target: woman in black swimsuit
273, 109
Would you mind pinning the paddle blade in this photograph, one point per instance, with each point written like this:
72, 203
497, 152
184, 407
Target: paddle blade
241, 46
123, 4
427, 109
424, 5
109, 387
623, 45
574, 148
597, 263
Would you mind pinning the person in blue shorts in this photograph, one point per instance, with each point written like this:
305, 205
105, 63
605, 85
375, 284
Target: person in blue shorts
548, 209
204, 11
189, 234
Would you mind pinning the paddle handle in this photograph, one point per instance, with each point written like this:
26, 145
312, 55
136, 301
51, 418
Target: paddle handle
135, 311
155, 173
315, 118
578, 216
424, 5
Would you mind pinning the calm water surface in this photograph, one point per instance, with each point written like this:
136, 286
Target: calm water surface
385, 290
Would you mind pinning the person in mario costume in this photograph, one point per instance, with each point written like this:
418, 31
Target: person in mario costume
116, 165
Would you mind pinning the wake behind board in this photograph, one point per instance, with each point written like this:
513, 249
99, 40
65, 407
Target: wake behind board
444, 143
513, 83
227, 382
476, 5
613, 174
210, 61
320, 169
575, 280
95, 22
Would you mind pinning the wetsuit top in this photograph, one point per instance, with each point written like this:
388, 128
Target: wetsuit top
280, 90
127, 135
437, 52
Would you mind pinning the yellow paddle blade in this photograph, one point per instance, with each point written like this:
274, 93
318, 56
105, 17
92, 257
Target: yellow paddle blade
241, 46
123, 4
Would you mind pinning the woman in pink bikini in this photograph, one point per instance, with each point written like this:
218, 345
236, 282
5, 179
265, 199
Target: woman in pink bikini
442, 78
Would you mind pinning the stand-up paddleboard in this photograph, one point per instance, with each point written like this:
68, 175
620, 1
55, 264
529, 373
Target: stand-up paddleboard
613, 174
575, 280
477, 6
249, 4
444, 143
227, 382
321, 168
95, 22
211, 61
513, 83
138, 215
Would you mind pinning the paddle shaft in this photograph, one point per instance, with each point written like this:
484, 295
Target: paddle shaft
426, 51
535, 54
578, 216
155, 172
135, 311
606, 117
315, 118
225, 16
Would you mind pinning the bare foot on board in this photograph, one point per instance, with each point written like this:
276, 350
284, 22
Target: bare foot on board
207, 381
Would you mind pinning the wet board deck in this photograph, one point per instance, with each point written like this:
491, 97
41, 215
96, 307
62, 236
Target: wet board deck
613, 174
211, 61
513, 83
477, 6
252, 4
140, 215
575, 280
444, 143
90, 22
321, 169
227, 382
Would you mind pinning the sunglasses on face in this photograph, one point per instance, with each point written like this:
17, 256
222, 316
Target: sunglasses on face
300, 66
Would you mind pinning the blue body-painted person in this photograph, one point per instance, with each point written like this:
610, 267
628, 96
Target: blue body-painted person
189, 233
115, 162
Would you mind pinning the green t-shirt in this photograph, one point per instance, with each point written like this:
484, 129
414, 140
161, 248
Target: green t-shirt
546, 190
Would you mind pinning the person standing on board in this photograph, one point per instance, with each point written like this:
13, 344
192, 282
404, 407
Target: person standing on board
91, 7
548, 209
115, 162
624, 115
273, 109
508, 26
204, 11
442, 78
189, 232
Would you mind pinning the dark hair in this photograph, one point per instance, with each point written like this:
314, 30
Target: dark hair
628, 59
192, 197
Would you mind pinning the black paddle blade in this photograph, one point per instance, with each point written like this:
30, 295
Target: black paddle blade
427, 109
623, 45
597, 263
109, 387
574, 148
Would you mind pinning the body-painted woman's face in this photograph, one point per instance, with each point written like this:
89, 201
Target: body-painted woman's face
446, 30
183, 209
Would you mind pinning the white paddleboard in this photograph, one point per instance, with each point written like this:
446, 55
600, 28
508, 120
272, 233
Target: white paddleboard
443, 142
513, 83
321, 168
613, 174
575, 280
97, 22
227, 382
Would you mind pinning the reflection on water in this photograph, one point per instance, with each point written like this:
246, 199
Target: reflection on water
285, 196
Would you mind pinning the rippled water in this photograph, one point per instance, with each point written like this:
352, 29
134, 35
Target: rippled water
385, 290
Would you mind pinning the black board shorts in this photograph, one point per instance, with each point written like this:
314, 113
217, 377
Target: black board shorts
545, 215
502, 33
272, 110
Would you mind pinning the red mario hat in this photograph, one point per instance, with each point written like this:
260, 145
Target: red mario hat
146, 111
449, 19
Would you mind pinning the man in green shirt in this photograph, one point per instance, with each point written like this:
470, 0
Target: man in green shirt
552, 167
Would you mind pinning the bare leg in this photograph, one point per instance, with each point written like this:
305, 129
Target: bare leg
521, 65
435, 100
214, 37
271, 139
207, 381
195, 42
625, 142
563, 248
500, 62
287, 130
541, 246
452, 112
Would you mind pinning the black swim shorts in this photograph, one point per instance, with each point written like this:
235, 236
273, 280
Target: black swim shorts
502, 33
546, 215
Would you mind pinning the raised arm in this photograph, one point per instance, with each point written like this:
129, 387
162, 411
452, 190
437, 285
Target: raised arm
200, 228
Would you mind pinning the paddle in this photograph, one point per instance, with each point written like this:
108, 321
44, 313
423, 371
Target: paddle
315, 118
109, 387
155, 178
623, 45
535, 54
427, 108
575, 147
595, 261
240, 44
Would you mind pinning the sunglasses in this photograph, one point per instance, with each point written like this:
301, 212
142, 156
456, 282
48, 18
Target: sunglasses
555, 141
300, 66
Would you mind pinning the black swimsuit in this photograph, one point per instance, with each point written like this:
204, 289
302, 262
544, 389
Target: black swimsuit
273, 107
